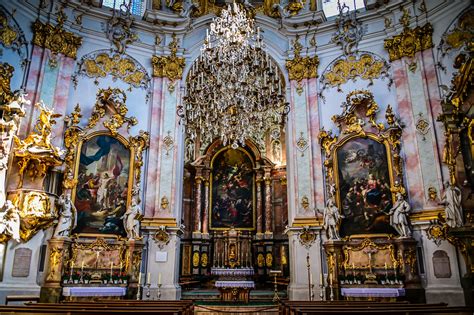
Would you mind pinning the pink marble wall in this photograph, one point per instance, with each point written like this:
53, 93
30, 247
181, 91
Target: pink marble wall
314, 123
33, 87
61, 95
153, 171
409, 145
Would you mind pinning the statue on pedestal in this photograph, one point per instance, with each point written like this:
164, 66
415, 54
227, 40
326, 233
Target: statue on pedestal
452, 201
10, 221
399, 216
68, 217
331, 217
131, 220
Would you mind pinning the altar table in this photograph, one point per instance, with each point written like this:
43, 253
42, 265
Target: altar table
373, 292
94, 291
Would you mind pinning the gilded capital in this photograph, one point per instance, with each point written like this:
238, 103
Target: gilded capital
56, 39
299, 67
6, 73
409, 42
170, 66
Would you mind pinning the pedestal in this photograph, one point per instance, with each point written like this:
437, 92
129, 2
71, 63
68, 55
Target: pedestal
335, 260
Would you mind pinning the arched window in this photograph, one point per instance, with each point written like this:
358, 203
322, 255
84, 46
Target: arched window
137, 6
330, 6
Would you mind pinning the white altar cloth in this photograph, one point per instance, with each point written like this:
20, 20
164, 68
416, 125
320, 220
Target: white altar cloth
94, 291
235, 284
373, 292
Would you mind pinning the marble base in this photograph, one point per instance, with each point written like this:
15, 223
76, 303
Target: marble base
50, 295
454, 296
11, 289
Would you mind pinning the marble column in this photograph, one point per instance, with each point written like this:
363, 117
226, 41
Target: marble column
259, 203
268, 203
198, 203
205, 211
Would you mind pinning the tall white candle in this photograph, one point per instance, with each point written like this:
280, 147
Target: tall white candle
148, 279
310, 279
140, 278
159, 278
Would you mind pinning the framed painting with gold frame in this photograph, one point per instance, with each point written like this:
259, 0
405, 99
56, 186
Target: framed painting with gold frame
104, 174
363, 167
103, 164
363, 178
232, 190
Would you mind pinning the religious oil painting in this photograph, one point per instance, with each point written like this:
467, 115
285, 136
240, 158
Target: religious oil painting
232, 190
102, 188
364, 187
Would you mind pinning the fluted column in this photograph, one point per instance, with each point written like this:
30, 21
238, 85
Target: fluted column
259, 203
268, 205
205, 211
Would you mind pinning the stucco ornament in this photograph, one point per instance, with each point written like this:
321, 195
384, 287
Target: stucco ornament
171, 66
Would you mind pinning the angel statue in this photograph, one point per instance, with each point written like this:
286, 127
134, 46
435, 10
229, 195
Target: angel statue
399, 216
331, 217
10, 221
131, 220
452, 201
68, 217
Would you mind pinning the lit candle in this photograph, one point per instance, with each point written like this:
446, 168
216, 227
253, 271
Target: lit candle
159, 278
140, 278
148, 279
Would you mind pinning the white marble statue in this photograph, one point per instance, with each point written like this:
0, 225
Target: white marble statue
67, 218
453, 209
130, 220
331, 216
10, 221
399, 216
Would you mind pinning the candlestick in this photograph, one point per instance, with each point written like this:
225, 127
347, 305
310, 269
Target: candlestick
72, 267
321, 279
121, 265
111, 268
148, 278
82, 266
330, 279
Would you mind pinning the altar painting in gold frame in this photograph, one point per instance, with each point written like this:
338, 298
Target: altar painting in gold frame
232, 190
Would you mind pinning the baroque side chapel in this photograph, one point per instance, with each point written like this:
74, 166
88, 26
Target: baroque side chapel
237, 151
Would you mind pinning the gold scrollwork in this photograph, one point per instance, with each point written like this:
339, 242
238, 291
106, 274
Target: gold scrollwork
56, 39
6, 73
54, 260
204, 260
123, 67
269, 260
260, 260
368, 67
299, 67
170, 66
326, 140
461, 34
437, 231
410, 41
99, 245
112, 99
7, 34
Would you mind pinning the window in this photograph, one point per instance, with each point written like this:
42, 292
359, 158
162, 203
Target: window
330, 6
138, 6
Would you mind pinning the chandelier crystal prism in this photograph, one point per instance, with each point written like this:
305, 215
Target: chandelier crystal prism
234, 90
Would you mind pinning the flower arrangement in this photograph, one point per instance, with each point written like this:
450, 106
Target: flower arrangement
86, 277
65, 277
123, 277
105, 277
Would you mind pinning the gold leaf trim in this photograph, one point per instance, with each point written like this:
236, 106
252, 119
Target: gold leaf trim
409, 42
299, 67
171, 66
56, 39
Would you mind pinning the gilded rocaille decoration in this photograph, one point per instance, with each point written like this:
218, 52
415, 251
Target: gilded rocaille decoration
368, 244
35, 154
162, 237
461, 35
367, 66
307, 237
56, 39
6, 73
8, 34
410, 41
171, 66
299, 67
437, 231
358, 119
101, 64
112, 99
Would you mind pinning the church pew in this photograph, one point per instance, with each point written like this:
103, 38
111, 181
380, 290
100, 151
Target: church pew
19, 310
93, 306
285, 305
371, 309
186, 305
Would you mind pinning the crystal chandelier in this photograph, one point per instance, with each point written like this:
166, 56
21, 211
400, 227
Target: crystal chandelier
234, 89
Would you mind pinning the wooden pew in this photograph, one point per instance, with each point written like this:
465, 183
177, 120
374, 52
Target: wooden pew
187, 306
21, 298
286, 305
19, 310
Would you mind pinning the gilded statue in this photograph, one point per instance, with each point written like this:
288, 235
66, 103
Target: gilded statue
68, 217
